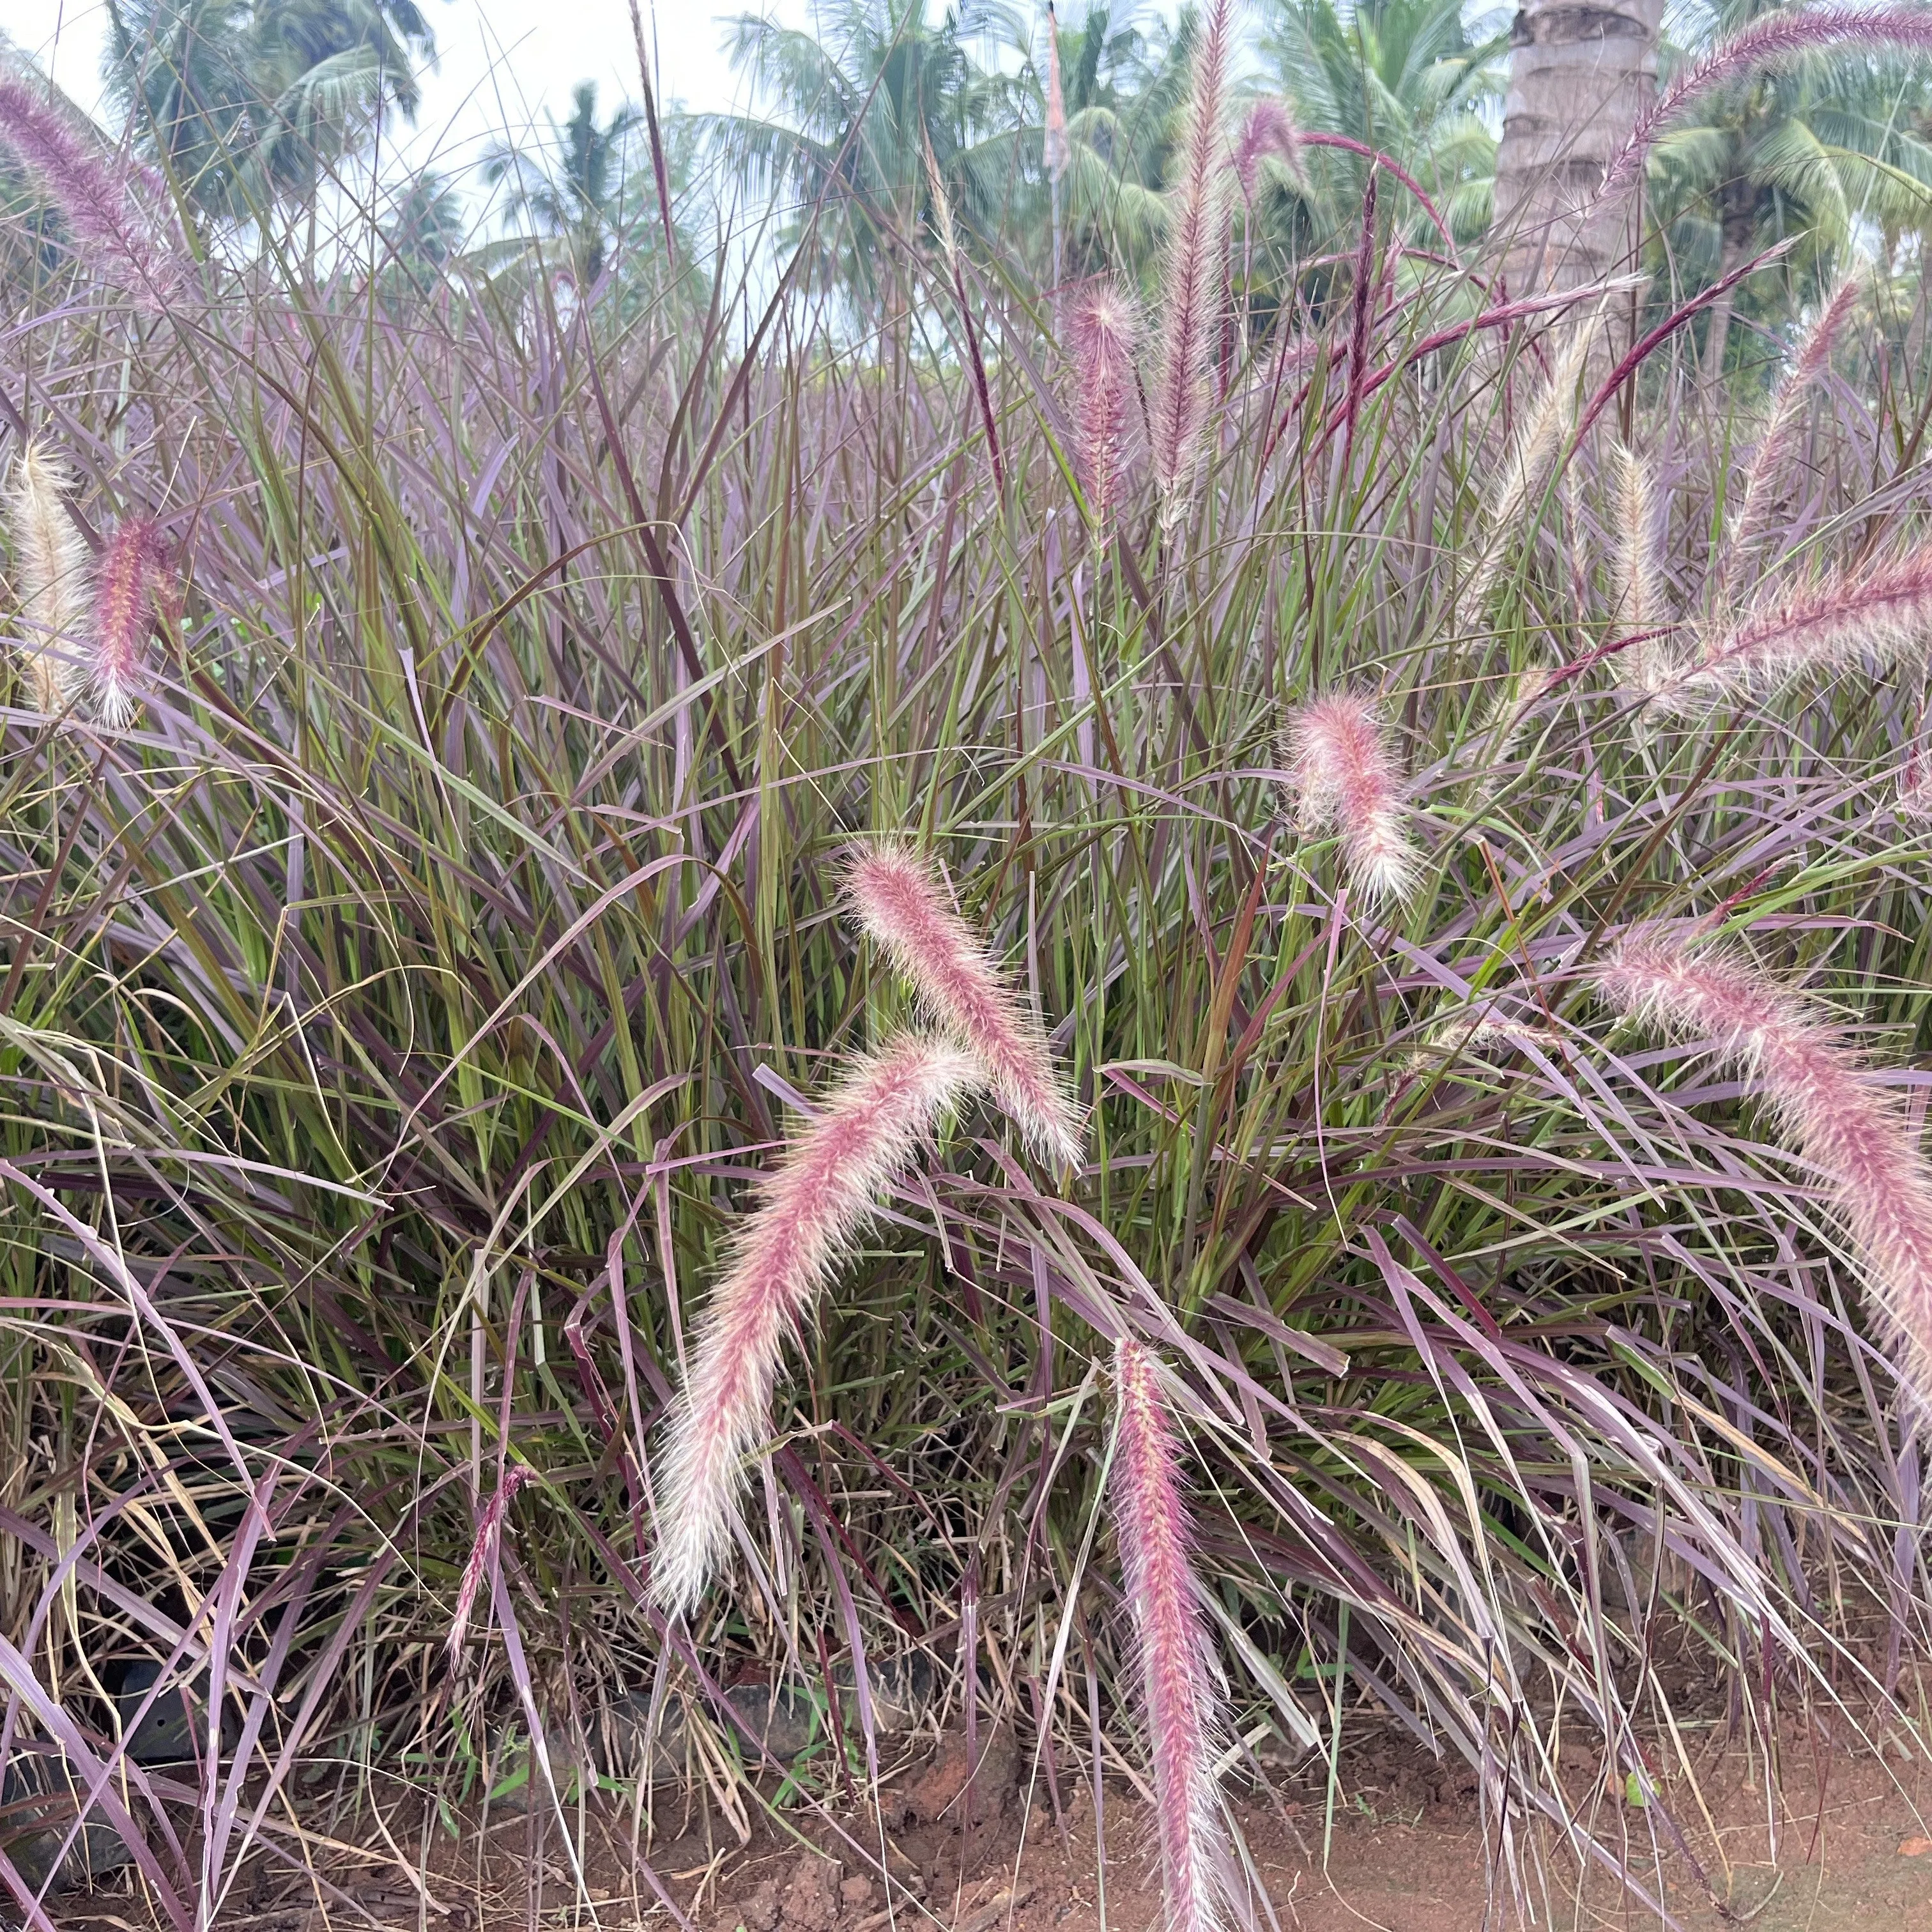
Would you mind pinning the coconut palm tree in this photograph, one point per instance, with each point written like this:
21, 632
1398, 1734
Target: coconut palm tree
849, 114
1812, 153
1412, 79
248, 104
574, 193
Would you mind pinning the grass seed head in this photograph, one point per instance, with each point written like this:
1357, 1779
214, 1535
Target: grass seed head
1824, 1099
822, 1193
1180, 1682
1343, 778
52, 568
902, 901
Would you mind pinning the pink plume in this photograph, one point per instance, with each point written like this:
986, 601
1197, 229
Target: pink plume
1773, 38
902, 901
1875, 617
1106, 330
484, 1554
1344, 779
131, 585
1841, 1122
92, 197
1178, 1674
1268, 132
1192, 280
1813, 358
818, 1198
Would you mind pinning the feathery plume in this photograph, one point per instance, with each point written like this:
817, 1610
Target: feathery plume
133, 577
1191, 279
92, 198
1767, 41
1336, 754
1268, 133
51, 562
1545, 423
818, 1198
1813, 358
1878, 619
1823, 1098
1177, 1671
1106, 332
901, 901
484, 1553
1636, 585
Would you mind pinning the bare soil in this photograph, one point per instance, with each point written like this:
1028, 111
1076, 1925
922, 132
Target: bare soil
1819, 1831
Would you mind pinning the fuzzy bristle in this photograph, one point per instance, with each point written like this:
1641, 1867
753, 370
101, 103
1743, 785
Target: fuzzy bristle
1877, 618
902, 902
1840, 1121
1105, 335
1179, 1679
132, 573
1636, 583
822, 1193
1192, 274
1343, 778
51, 563
1268, 133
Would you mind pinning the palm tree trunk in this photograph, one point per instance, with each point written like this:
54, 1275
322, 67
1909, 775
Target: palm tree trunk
1580, 73
1738, 226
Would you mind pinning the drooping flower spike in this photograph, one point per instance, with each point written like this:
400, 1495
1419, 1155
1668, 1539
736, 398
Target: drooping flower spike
92, 196
1343, 778
1837, 1118
822, 1193
1180, 1701
902, 902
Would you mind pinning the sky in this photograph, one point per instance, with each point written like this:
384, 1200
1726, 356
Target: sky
501, 63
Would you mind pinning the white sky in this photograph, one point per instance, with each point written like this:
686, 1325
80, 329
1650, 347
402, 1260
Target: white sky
501, 63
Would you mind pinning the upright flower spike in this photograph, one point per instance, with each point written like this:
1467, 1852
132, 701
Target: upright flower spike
1179, 1679
1192, 278
1823, 1098
1106, 332
1813, 358
51, 565
1343, 779
91, 196
902, 902
819, 1197
1636, 588
132, 573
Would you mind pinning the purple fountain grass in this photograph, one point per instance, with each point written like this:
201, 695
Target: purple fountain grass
485, 1553
1178, 1675
1105, 333
1268, 133
902, 901
1192, 275
1842, 1122
1765, 42
91, 196
1343, 778
1813, 358
1877, 618
132, 573
1636, 582
820, 1196
52, 574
